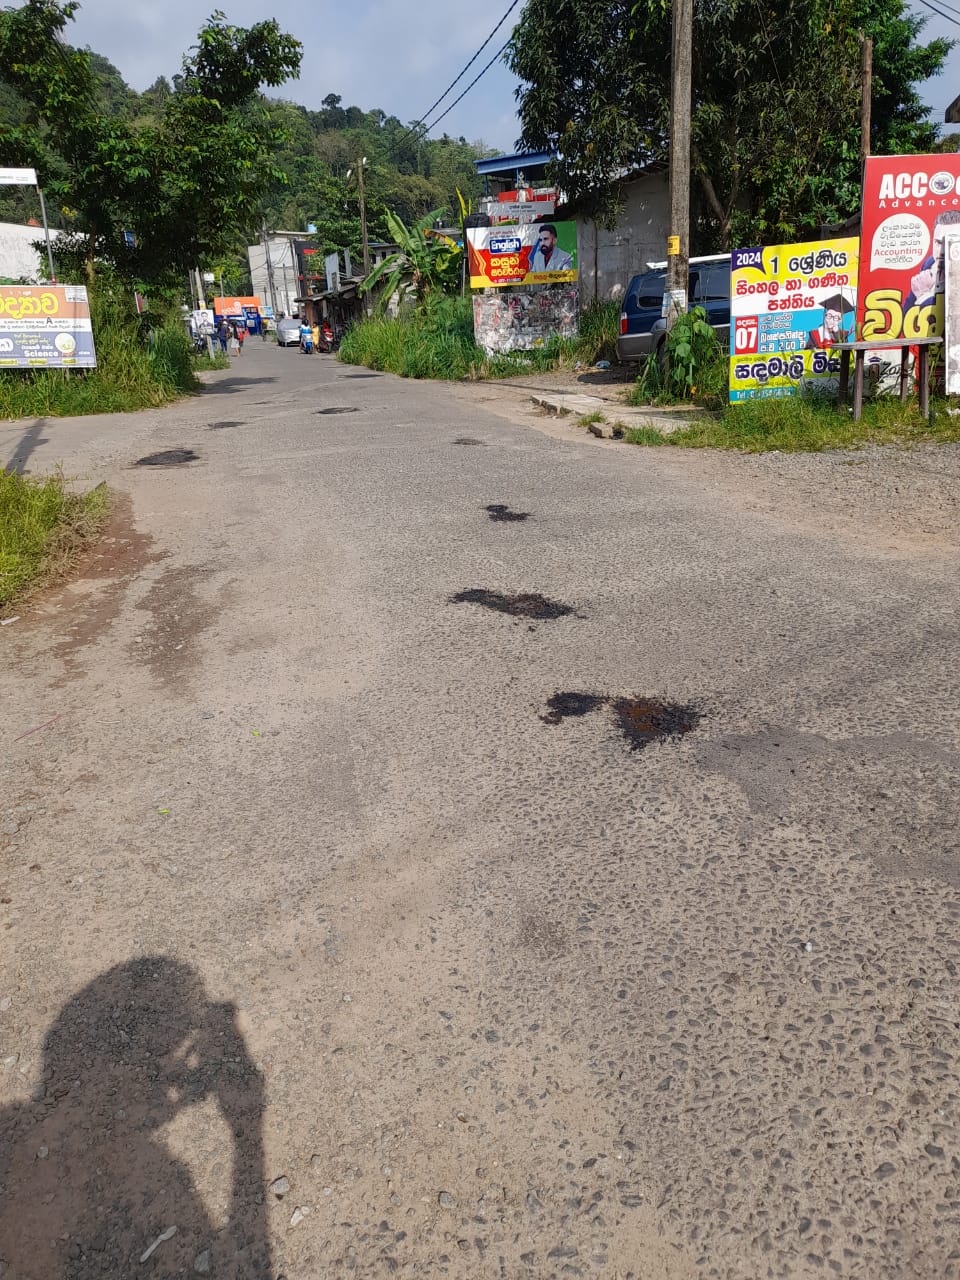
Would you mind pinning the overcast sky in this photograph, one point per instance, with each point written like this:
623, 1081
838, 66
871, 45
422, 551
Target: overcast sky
378, 53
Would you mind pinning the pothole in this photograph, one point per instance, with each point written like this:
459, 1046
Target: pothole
525, 605
338, 408
224, 426
361, 375
469, 440
168, 458
497, 511
641, 720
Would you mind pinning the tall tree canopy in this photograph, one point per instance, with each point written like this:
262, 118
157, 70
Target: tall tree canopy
776, 103
183, 176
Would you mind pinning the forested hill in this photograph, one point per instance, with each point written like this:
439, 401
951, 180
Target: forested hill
316, 150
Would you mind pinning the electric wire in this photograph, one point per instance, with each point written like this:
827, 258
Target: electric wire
500, 51
940, 13
433, 106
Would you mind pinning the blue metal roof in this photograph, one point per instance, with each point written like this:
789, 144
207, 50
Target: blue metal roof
509, 164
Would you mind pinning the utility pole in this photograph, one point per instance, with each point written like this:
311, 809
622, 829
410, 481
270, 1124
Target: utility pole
266, 253
363, 217
866, 93
678, 242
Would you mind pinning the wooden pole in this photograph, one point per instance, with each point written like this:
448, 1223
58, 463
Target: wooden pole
678, 242
866, 92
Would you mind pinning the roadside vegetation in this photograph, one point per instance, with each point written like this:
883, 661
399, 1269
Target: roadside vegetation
43, 528
434, 339
795, 425
141, 362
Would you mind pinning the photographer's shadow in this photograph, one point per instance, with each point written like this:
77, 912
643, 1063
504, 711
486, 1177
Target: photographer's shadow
88, 1183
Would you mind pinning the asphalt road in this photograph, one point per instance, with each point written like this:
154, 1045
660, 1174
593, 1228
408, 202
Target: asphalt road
305, 874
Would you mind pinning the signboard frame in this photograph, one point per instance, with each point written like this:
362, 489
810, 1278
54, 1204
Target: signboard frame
46, 327
782, 325
500, 256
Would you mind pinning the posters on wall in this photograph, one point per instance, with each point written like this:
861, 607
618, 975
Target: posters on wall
909, 202
46, 327
789, 305
535, 253
523, 320
951, 294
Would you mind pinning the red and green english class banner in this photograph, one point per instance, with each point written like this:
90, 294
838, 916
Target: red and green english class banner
535, 253
908, 203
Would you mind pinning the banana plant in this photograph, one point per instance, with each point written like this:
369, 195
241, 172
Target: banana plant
424, 260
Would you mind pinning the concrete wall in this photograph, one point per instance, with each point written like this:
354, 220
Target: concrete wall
18, 260
607, 259
285, 272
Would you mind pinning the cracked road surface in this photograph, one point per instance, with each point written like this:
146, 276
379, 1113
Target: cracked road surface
325, 943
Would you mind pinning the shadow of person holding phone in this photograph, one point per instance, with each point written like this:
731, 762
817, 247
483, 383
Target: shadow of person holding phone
88, 1183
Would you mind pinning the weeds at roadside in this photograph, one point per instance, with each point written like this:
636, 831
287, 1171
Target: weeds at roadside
794, 425
43, 527
135, 370
436, 341
588, 418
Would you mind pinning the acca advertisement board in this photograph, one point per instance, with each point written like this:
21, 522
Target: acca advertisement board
909, 205
45, 327
542, 252
789, 304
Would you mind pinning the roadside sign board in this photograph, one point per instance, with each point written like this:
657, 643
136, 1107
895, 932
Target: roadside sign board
909, 202
789, 304
45, 327
542, 252
18, 177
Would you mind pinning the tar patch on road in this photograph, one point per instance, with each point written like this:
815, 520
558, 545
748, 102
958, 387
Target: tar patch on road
168, 458
469, 440
338, 408
641, 720
563, 705
497, 511
526, 605
224, 426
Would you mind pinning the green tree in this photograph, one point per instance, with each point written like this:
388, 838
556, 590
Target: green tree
423, 262
183, 179
775, 119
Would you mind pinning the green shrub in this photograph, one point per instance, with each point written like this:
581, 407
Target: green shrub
694, 366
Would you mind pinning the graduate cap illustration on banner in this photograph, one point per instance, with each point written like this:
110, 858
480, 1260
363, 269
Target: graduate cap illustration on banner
837, 302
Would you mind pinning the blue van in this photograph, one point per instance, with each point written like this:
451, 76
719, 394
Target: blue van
642, 330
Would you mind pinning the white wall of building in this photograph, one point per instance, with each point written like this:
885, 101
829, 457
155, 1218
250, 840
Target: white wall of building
18, 259
607, 259
284, 263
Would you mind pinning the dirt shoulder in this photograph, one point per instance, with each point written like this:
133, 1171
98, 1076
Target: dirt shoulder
897, 499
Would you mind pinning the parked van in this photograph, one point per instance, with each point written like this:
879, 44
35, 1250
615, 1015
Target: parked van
642, 329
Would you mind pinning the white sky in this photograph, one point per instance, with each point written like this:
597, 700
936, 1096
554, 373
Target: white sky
379, 53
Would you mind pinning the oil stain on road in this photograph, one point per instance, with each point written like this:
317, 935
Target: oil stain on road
640, 720
524, 605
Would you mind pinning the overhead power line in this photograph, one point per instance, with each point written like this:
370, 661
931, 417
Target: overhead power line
433, 106
479, 74
940, 13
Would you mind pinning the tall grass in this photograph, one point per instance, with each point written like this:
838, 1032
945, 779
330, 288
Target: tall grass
42, 527
794, 425
137, 368
436, 341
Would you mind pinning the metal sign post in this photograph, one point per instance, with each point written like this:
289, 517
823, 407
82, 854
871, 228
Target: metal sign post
28, 178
